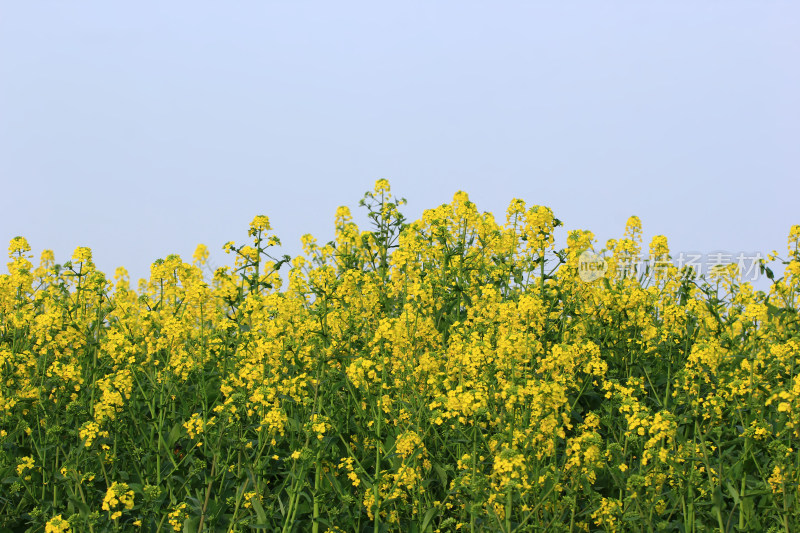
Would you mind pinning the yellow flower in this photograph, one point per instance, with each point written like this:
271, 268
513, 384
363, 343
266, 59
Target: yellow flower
82, 254
260, 223
194, 426
200, 255
249, 496
18, 245
776, 480
407, 444
178, 516
343, 215
117, 495
25, 464
57, 525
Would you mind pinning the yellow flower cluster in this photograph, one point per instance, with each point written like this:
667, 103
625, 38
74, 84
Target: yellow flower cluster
118, 497
248, 498
178, 516
195, 426
25, 464
57, 525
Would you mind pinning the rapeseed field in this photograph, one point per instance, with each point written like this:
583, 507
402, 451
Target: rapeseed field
455, 373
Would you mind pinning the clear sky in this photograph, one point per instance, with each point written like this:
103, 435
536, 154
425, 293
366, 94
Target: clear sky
141, 129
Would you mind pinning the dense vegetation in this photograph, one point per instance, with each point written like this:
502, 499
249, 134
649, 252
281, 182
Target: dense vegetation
452, 374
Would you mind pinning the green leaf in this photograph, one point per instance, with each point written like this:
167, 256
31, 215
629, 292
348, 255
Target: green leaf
440, 472
259, 509
174, 434
733, 492
82, 508
426, 520
190, 524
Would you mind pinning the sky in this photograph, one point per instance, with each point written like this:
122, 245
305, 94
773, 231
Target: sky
140, 129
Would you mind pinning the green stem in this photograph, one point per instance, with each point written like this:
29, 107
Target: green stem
317, 486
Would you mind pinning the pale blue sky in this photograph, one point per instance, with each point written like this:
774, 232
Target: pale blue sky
140, 129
